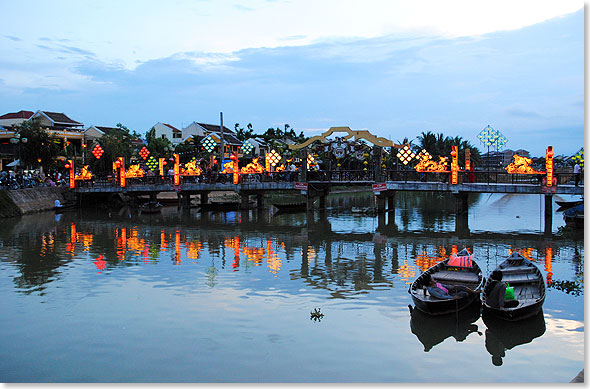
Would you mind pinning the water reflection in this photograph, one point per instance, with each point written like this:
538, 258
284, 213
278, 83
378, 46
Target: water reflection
343, 262
503, 335
432, 330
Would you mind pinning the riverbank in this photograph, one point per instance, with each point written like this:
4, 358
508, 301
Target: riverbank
25, 201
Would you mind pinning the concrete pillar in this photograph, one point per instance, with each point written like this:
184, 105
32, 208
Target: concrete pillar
310, 203
462, 213
380, 204
204, 197
244, 201
391, 202
548, 214
322, 201
153, 197
185, 200
260, 200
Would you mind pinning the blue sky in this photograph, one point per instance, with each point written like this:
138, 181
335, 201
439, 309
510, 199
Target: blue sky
395, 68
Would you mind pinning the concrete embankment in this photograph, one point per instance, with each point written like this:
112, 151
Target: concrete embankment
30, 200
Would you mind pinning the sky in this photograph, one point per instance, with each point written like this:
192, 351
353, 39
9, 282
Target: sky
395, 68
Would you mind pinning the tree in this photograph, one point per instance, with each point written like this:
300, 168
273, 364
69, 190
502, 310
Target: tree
440, 145
158, 147
39, 149
115, 144
242, 134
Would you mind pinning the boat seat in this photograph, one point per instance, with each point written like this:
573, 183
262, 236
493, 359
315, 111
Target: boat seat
455, 276
517, 269
520, 278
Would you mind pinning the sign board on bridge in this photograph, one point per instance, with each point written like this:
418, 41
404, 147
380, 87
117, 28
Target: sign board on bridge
301, 185
379, 187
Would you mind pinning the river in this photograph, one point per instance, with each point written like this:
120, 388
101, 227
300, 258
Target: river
105, 295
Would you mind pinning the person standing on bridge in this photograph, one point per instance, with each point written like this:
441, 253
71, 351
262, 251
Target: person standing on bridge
577, 174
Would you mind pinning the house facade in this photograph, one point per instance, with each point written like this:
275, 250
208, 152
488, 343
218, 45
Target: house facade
167, 131
198, 131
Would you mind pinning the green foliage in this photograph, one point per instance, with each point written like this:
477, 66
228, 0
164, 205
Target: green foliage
39, 145
242, 134
158, 147
115, 144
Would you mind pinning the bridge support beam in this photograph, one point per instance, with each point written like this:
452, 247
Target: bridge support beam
244, 200
204, 197
184, 200
548, 214
461, 213
260, 200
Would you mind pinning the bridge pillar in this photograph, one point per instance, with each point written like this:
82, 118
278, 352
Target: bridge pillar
391, 202
322, 202
185, 200
461, 213
260, 200
244, 201
310, 200
153, 197
380, 204
548, 214
204, 197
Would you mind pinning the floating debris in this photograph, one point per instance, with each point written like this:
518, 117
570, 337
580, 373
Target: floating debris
316, 315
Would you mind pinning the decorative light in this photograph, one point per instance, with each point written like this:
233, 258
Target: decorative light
273, 157
310, 160
455, 165
406, 154
97, 151
144, 152
247, 146
209, 143
152, 163
549, 165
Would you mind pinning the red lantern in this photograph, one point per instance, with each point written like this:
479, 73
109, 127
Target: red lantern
144, 153
118, 163
67, 166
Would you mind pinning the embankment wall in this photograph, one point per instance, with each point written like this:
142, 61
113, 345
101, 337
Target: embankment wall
30, 200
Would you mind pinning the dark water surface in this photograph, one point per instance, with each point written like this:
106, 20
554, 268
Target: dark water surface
114, 296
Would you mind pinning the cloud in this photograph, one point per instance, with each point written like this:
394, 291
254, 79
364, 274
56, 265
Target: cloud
523, 112
523, 81
13, 38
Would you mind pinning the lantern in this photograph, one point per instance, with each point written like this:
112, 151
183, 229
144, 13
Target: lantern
97, 151
247, 147
144, 153
209, 143
549, 165
406, 155
273, 157
454, 166
176, 170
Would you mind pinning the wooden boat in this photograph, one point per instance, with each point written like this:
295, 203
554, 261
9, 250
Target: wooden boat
150, 207
563, 205
529, 288
459, 269
574, 217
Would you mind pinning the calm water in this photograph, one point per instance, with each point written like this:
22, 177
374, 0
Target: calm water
113, 296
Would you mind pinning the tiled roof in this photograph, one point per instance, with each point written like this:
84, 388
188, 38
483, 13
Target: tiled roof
174, 129
61, 118
215, 128
17, 115
107, 130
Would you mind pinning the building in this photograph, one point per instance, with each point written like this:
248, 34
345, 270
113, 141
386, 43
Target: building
69, 132
198, 131
167, 131
13, 119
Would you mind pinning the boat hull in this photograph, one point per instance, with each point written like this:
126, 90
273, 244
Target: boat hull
442, 271
529, 288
